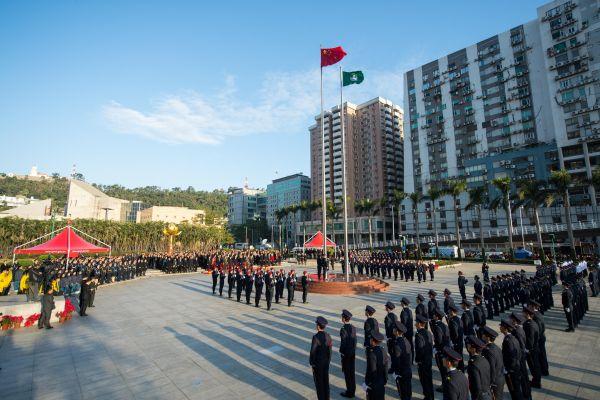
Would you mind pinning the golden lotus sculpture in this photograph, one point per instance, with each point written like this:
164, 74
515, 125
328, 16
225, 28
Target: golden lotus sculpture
171, 231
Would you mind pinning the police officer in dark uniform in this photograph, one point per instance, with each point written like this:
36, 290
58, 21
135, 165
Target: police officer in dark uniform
448, 300
488, 297
539, 319
320, 357
222, 276
478, 370
467, 318
420, 309
511, 357
377, 367
215, 278
432, 305
532, 345
269, 281
259, 282
567, 303
230, 282
249, 281
406, 318
401, 361
479, 320
239, 285
456, 333
348, 354
423, 356
462, 285
455, 384
304, 282
477, 286
371, 325
493, 354
441, 339
389, 322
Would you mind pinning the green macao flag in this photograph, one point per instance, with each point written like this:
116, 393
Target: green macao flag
349, 78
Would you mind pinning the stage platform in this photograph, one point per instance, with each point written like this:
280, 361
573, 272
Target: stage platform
17, 305
336, 284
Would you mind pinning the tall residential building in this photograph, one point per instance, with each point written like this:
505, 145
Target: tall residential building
520, 104
284, 192
374, 152
245, 203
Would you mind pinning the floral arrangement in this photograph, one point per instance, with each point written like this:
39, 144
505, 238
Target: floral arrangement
15, 321
31, 320
5, 322
65, 314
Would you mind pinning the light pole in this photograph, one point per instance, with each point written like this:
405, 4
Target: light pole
393, 226
553, 252
521, 223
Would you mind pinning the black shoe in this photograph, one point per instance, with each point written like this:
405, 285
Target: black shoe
40, 327
83, 315
569, 330
440, 389
92, 306
349, 396
535, 385
49, 327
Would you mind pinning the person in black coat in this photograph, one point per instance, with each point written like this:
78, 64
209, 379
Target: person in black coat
478, 370
488, 297
377, 367
467, 318
441, 339
567, 303
371, 325
84, 295
462, 285
424, 356
420, 309
259, 282
406, 318
348, 354
448, 300
401, 361
222, 276
215, 278
539, 319
456, 333
518, 332
432, 305
304, 282
477, 286
456, 385
320, 357
493, 354
390, 322
231, 275
479, 320
290, 284
249, 282
511, 357
46, 310
532, 344
240, 283
269, 289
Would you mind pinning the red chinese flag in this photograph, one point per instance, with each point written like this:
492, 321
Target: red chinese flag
331, 56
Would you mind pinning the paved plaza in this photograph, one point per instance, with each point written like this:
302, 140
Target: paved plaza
168, 337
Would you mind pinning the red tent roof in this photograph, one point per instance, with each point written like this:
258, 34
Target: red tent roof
317, 241
65, 241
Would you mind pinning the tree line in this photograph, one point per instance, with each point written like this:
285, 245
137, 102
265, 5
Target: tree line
530, 194
123, 237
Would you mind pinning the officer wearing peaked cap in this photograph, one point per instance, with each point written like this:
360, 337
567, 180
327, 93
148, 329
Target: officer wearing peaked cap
371, 325
348, 354
389, 323
401, 362
406, 317
456, 386
432, 305
320, 357
423, 356
478, 370
493, 354
377, 367
420, 309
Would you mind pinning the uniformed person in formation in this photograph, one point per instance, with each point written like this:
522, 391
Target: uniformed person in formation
215, 278
222, 276
348, 353
456, 386
567, 303
401, 361
377, 368
456, 333
511, 357
539, 319
423, 356
269, 282
371, 325
532, 345
462, 285
420, 309
432, 305
390, 322
493, 354
467, 318
320, 357
304, 281
479, 319
448, 300
441, 339
406, 318
478, 370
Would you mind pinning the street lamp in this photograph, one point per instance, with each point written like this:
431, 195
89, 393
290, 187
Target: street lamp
553, 252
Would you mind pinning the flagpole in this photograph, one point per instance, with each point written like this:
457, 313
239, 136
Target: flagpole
324, 199
344, 200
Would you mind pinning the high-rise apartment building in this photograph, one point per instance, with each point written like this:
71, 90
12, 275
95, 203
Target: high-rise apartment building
374, 152
519, 104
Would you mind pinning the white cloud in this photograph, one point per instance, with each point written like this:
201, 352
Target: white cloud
286, 102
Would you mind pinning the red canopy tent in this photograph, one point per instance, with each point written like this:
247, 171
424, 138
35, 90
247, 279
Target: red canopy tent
316, 241
66, 242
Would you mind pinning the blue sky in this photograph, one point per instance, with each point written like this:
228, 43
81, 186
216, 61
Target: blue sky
183, 93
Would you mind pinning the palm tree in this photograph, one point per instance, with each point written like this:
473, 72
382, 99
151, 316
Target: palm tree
366, 206
303, 207
279, 215
383, 203
454, 188
503, 185
562, 181
434, 194
333, 210
531, 195
397, 199
416, 198
293, 211
478, 197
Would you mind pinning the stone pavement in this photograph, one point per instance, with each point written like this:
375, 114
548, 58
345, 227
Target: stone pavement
168, 337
